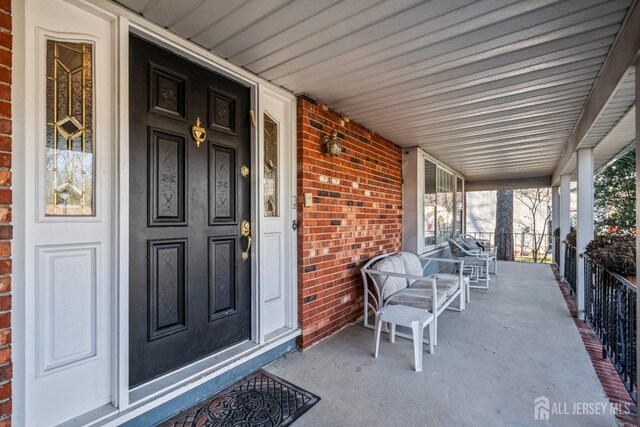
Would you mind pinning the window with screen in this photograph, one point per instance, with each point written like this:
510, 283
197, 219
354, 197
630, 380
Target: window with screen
445, 188
430, 203
440, 205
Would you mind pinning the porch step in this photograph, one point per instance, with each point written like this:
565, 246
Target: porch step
187, 400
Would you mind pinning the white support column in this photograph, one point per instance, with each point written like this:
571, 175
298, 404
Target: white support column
564, 217
584, 232
555, 218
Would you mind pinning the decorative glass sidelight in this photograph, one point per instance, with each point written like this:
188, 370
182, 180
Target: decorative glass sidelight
70, 144
270, 167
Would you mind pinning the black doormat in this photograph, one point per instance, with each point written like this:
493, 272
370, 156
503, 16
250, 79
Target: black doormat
261, 399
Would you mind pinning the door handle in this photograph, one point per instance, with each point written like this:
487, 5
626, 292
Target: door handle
245, 231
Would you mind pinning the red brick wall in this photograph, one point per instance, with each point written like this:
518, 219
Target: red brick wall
5, 213
356, 214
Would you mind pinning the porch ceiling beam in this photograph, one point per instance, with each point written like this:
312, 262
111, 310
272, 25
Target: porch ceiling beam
506, 184
623, 55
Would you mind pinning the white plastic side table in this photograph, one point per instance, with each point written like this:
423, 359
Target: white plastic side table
412, 317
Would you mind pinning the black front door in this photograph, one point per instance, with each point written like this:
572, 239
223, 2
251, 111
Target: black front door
190, 285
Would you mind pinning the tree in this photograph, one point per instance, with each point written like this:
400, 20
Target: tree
615, 195
504, 225
537, 202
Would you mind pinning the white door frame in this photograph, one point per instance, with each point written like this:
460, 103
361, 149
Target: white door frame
124, 23
122, 242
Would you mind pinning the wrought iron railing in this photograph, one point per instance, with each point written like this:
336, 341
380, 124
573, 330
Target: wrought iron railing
610, 308
570, 265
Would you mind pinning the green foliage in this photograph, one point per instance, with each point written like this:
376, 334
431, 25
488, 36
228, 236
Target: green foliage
615, 196
616, 253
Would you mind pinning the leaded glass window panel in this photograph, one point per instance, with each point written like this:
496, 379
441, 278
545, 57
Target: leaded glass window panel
271, 183
70, 144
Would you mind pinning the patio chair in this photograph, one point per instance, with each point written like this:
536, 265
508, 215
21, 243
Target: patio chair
475, 262
472, 244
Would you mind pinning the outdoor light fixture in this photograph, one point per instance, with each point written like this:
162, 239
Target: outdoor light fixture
332, 145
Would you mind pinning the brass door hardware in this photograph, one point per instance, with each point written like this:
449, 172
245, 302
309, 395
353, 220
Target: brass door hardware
198, 132
245, 231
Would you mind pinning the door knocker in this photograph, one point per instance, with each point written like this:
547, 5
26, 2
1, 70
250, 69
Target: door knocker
198, 132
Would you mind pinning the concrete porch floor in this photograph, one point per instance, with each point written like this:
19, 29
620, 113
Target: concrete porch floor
513, 343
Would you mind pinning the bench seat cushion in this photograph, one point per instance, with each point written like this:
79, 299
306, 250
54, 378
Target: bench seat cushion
448, 286
419, 298
391, 264
412, 265
470, 244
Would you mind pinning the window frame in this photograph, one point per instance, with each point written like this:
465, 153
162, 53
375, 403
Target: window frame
440, 168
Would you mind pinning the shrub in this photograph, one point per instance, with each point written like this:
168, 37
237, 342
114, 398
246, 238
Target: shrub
571, 237
616, 253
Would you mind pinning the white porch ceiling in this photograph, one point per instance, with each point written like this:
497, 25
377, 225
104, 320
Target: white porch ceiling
491, 87
614, 130
617, 142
